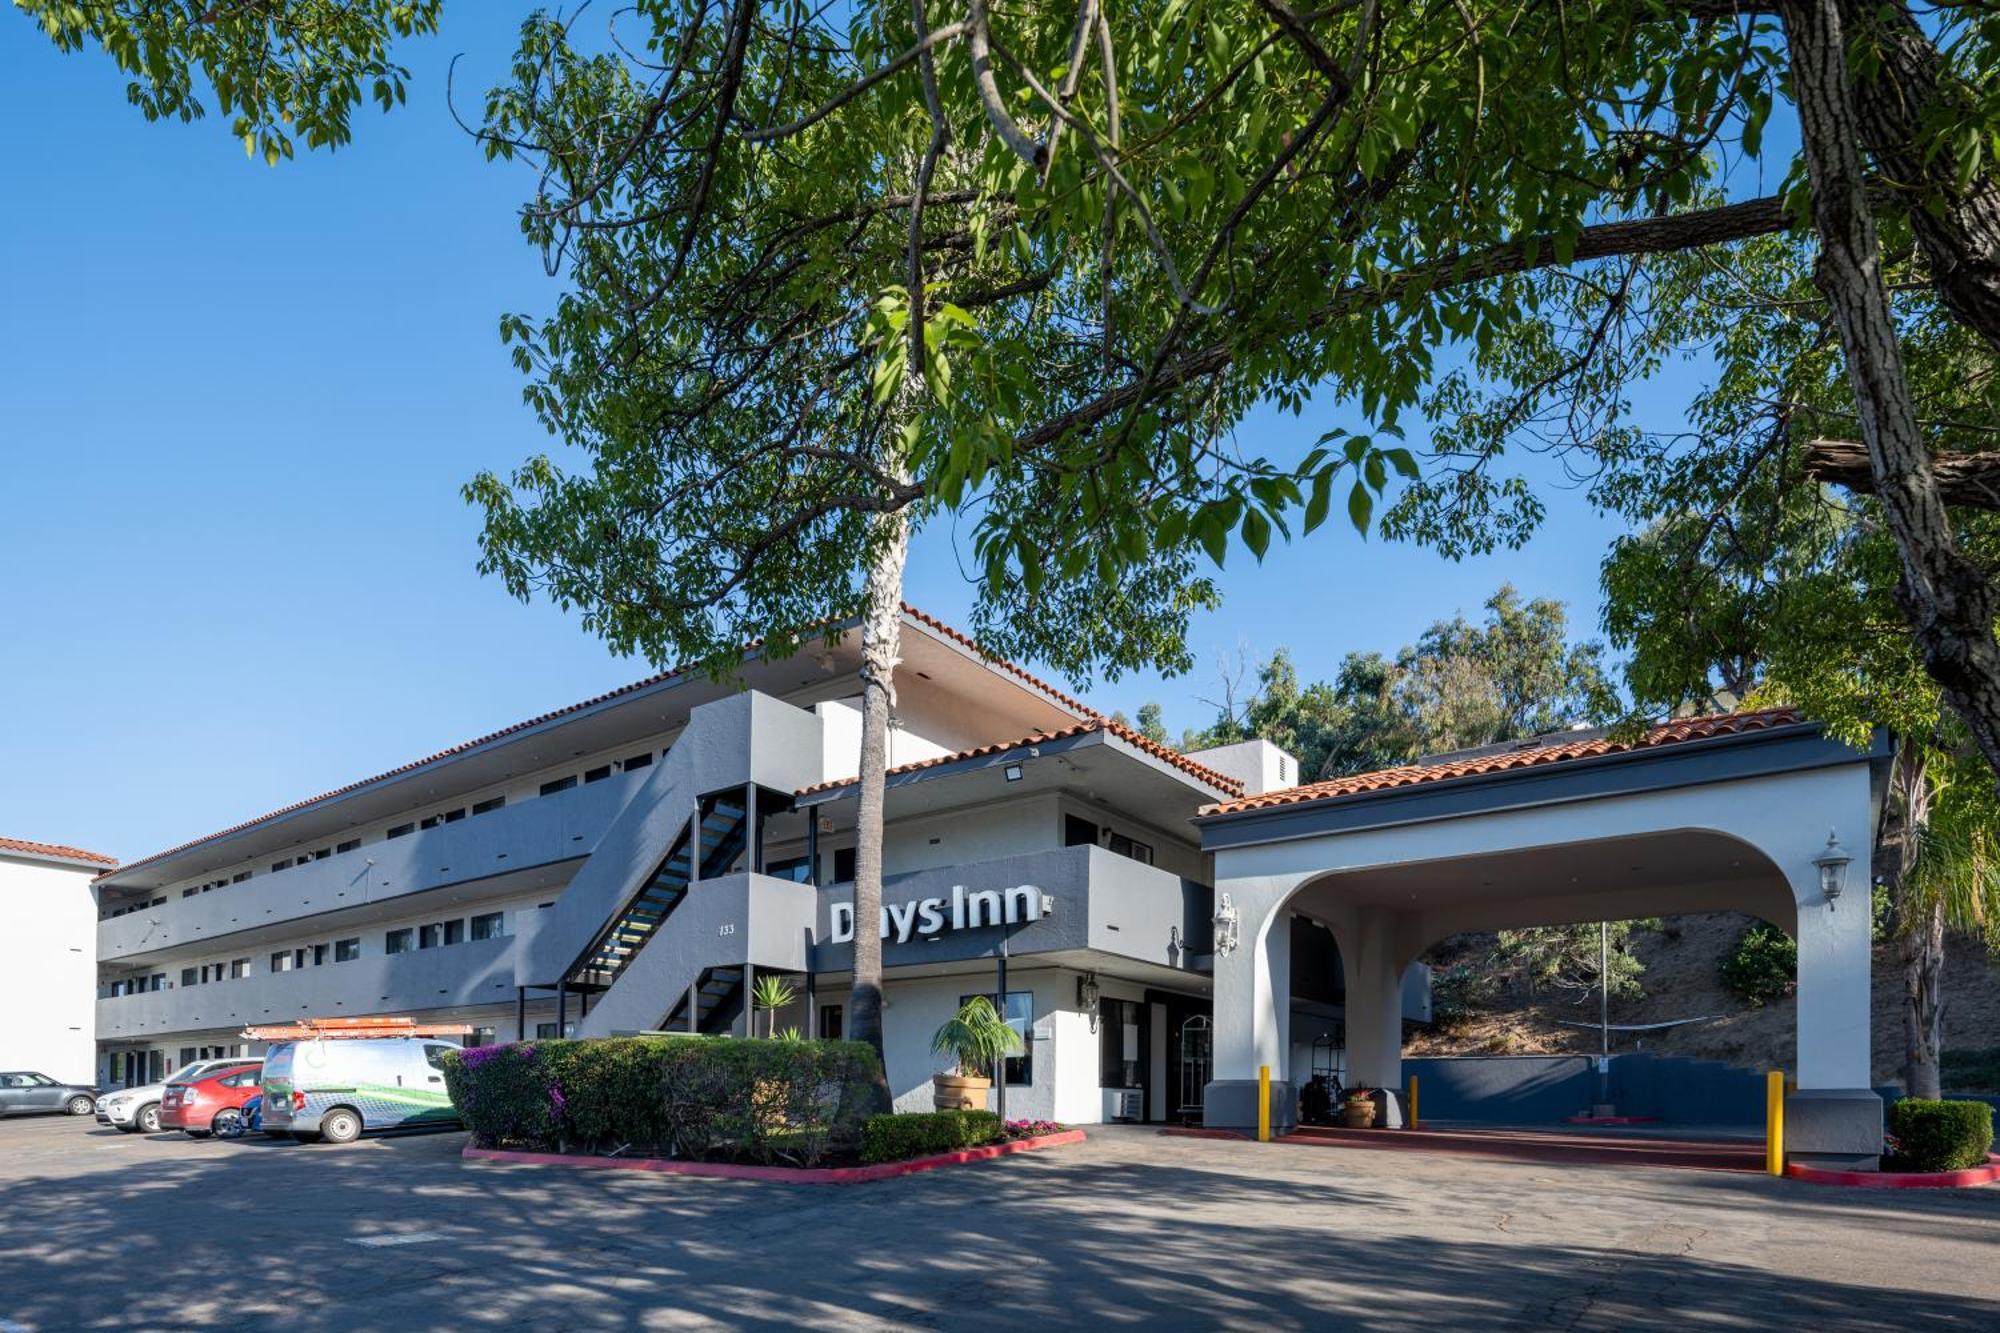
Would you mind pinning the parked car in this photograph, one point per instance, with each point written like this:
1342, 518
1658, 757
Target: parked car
336, 1088
137, 1110
23, 1092
191, 1106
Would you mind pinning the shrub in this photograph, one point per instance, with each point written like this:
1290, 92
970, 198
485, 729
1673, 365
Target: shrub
1764, 964
755, 1100
1939, 1136
894, 1138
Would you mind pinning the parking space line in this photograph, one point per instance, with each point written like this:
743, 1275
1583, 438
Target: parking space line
394, 1238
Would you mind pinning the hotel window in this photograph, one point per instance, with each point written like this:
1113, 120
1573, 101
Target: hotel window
321, 854
398, 941
158, 981
1138, 851
319, 955
829, 1022
598, 774
188, 975
843, 865
427, 936
547, 1031
454, 931
560, 784
285, 864
489, 926
187, 1055
490, 803
430, 821
636, 761
348, 846
346, 951
281, 961
402, 830
1020, 1016
453, 816
189, 893
239, 968
479, 1037
794, 868
241, 876
1078, 832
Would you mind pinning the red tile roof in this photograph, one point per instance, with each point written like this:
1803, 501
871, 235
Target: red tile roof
929, 621
56, 851
965, 640
1124, 733
1531, 755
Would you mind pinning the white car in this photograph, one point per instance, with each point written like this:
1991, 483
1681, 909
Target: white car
137, 1110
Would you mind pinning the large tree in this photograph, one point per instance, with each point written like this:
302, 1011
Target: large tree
1516, 673
1748, 577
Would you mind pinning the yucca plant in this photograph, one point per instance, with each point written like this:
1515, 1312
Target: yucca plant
772, 993
977, 1038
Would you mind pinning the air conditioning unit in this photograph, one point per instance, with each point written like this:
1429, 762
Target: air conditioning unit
1123, 1104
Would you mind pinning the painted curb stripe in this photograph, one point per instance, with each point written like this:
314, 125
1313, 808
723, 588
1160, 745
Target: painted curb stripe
789, 1175
1899, 1180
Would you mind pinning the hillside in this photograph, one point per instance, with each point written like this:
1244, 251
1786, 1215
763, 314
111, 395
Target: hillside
1681, 980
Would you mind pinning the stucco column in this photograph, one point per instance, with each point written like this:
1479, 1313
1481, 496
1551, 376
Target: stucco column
1835, 1117
1373, 957
1253, 990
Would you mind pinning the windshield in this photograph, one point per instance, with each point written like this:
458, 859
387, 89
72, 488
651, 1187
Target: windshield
184, 1073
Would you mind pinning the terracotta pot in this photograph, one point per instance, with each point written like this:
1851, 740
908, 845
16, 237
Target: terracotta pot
1358, 1115
960, 1092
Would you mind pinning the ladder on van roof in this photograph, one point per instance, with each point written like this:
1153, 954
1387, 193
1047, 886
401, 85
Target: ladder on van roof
319, 1029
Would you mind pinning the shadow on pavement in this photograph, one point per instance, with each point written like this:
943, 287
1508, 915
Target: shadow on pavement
228, 1232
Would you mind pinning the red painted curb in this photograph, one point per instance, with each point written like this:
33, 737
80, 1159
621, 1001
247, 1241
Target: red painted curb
788, 1175
1899, 1180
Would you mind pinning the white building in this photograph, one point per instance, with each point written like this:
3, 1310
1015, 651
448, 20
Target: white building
632, 862
48, 958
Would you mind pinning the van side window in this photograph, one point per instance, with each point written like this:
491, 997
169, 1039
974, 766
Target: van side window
434, 1052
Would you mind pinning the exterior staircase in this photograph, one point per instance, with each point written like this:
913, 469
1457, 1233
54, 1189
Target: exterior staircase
714, 1010
723, 833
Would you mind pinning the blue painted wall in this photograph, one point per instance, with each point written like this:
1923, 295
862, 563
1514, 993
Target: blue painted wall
1548, 1089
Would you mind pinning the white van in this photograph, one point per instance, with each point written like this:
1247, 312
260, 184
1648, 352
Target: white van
338, 1088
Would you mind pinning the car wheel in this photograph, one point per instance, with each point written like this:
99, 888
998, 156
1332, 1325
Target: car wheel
227, 1124
340, 1125
148, 1119
80, 1105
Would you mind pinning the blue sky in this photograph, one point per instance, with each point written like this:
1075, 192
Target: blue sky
234, 567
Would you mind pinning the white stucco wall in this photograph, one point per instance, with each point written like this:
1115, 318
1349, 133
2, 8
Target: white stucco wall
48, 969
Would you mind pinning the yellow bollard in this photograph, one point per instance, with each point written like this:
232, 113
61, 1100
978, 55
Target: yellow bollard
1413, 1101
1774, 1122
1263, 1103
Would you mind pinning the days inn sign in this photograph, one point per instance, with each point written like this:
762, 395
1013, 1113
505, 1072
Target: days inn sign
965, 909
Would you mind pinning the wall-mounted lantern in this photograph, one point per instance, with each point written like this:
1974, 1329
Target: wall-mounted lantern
1086, 996
1832, 865
1226, 926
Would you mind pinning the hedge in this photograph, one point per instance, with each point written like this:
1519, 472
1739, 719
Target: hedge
895, 1138
688, 1097
1940, 1136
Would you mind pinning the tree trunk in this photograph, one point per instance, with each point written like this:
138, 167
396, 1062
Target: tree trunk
1922, 952
1908, 92
881, 650
1919, 923
1945, 597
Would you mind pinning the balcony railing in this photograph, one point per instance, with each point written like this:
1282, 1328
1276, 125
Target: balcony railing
520, 836
476, 972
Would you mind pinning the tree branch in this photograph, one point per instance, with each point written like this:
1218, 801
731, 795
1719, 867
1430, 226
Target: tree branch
1968, 480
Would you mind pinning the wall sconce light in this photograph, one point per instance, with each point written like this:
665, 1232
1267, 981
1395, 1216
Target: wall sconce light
1012, 772
1086, 996
1226, 924
1832, 865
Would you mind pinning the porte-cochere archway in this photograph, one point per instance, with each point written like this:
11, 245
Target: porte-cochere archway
1710, 814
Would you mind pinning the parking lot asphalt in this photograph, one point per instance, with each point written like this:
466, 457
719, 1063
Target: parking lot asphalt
100, 1229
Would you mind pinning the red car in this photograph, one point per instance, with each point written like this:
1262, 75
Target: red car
192, 1106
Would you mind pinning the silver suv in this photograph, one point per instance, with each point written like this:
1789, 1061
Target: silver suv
23, 1092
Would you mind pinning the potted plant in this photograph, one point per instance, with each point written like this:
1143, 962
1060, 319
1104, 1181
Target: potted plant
1358, 1112
977, 1039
